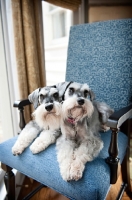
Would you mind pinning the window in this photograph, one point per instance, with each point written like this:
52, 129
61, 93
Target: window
8, 115
57, 22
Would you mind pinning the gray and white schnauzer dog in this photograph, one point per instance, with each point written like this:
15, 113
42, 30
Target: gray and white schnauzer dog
81, 120
47, 116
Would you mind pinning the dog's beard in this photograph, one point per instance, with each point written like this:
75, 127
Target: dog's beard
71, 109
76, 113
48, 120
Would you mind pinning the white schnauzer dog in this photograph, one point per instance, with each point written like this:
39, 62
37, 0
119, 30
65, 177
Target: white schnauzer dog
80, 123
47, 121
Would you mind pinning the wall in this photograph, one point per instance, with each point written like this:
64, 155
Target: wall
101, 13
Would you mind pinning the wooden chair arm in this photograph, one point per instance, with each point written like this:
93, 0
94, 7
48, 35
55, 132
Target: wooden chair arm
119, 117
21, 103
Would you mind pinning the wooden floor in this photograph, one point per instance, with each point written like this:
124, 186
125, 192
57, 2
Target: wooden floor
48, 194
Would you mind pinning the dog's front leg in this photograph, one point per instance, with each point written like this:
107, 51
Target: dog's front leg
81, 156
46, 138
26, 136
65, 156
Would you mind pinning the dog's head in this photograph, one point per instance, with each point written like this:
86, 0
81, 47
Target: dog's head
48, 109
77, 102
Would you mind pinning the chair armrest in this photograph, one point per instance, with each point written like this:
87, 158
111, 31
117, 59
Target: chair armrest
21, 103
114, 122
119, 117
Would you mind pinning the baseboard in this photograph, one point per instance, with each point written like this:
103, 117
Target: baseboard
19, 178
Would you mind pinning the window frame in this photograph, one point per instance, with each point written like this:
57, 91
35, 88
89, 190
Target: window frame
8, 82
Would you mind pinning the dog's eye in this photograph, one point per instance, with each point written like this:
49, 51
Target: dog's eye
85, 93
41, 97
56, 95
71, 90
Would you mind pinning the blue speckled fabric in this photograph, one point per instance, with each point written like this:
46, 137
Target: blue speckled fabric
44, 168
100, 54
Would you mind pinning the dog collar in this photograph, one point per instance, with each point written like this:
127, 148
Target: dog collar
63, 96
71, 120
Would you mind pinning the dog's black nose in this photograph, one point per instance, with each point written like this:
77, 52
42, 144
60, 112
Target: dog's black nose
80, 101
49, 107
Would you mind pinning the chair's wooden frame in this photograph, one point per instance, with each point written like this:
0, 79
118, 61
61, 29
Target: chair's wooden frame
118, 120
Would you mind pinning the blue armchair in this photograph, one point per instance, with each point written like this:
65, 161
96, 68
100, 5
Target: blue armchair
99, 54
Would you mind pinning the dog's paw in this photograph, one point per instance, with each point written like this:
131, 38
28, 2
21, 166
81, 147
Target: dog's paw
75, 175
17, 149
65, 170
76, 170
37, 146
66, 175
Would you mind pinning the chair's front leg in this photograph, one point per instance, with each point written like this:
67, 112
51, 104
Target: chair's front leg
9, 180
113, 159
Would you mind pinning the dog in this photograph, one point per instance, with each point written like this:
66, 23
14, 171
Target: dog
81, 120
47, 119
46, 123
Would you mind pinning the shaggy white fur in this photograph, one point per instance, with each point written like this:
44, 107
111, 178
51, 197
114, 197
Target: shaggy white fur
27, 135
47, 122
80, 124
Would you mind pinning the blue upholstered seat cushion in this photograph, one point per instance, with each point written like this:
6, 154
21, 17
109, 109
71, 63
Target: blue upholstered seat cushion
44, 168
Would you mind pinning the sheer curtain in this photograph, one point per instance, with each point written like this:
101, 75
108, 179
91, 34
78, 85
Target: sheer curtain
29, 47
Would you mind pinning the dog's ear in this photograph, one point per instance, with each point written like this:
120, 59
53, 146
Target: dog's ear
104, 111
33, 97
91, 94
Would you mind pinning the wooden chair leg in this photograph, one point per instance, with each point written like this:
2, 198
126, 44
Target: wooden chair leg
9, 180
113, 159
127, 128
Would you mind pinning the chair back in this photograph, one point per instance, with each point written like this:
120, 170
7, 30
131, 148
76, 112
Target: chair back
100, 54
